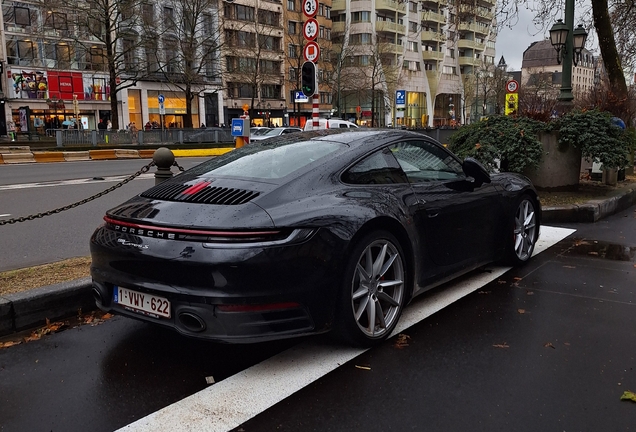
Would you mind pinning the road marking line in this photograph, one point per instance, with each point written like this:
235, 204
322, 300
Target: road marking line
5, 215
231, 402
72, 182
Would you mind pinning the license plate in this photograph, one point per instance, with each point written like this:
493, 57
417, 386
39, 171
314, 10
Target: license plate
143, 303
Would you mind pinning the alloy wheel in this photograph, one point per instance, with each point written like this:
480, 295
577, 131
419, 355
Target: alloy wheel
525, 230
378, 288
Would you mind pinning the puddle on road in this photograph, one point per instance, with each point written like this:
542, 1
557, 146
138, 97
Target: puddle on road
594, 248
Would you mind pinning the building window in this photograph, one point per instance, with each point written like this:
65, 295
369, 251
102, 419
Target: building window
56, 20
292, 27
270, 91
364, 16
148, 14
268, 18
291, 5
412, 46
292, 51
21, 16
293, 74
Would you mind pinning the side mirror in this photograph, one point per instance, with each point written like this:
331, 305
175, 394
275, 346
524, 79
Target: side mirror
472, 168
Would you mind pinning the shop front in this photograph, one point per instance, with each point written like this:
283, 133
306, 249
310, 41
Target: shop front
174, 107
42, 101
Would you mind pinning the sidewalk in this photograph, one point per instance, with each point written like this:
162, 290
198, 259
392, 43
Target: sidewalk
24, 154
32, 308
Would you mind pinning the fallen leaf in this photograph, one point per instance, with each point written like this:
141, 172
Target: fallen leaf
363, 367
402, 341
503, 345
628, 395
549, 345
566, 343
529, 293
9, 343
592, 253
501, 281
209, 380
517, 278
521, 311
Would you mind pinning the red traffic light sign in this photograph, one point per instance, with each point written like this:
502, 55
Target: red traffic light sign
311, 52
310, 29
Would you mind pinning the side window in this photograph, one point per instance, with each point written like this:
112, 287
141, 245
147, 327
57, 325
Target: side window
424, 162
342, 126
378, 168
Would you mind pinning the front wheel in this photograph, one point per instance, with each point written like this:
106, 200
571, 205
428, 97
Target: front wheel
525, 231
374, 290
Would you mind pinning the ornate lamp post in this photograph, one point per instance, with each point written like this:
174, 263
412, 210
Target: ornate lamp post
568, 44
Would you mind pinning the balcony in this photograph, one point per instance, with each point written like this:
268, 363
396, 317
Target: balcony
432, 55
389, 27
469, 61
338, 5
428, 36
430, 16
390, 5
391, 48
470, 44
338, 27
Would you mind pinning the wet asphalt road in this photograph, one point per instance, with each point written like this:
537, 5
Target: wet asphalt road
548, 347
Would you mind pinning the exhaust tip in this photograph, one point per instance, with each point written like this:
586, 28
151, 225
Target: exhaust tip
192, 322
97, 295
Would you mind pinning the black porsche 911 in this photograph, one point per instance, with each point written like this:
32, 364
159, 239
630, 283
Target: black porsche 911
308, 233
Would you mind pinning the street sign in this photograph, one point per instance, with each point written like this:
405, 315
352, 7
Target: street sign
512, 104
162, 109
310, 29
238, 125
512, 86
310, 8
299, 97
161, 99
400, 98
311, 52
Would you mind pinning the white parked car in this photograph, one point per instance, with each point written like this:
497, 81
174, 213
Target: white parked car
274, 132
330, 124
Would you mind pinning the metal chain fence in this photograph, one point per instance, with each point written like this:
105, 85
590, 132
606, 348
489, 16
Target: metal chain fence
143, 170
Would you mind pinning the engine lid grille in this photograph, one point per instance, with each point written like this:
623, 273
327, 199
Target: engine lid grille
201, 193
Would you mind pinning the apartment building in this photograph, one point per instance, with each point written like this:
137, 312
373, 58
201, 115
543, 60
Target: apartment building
55, 65
253, 61
428, 49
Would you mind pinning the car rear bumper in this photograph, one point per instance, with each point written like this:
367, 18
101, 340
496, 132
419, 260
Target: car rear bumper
229, 295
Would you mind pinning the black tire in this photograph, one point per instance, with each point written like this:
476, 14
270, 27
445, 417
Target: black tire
373, 289
524, 230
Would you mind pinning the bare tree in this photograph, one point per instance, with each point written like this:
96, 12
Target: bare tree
192, 46
106, 34
254, 52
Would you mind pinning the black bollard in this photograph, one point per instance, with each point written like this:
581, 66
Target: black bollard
163, 158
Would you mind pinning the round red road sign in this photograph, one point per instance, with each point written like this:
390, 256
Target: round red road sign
310, 29
311, 52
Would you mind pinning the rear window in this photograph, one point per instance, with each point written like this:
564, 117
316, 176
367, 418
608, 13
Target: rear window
268, 161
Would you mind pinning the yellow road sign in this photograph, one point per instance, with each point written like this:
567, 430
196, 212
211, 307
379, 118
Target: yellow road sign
512, 104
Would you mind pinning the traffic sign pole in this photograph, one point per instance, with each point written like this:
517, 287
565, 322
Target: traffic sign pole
312, 51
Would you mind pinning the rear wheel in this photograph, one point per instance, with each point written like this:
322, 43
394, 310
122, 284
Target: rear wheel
525, 231
373, 292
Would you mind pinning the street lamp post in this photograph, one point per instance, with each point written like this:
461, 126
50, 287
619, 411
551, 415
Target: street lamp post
568, 44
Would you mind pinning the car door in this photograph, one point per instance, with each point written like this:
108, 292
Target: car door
457, 216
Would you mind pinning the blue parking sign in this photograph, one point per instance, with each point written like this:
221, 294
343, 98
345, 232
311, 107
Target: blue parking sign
400, 97
237, 127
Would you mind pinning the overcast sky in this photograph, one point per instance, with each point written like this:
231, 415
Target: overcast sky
511, 43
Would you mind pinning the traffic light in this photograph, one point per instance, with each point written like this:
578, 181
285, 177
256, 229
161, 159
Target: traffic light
309, 83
